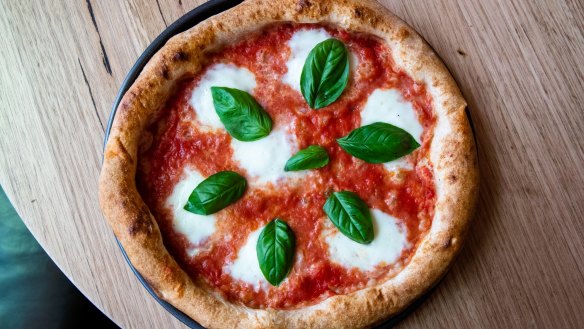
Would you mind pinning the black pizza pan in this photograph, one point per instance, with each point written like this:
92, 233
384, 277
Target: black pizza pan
184, 23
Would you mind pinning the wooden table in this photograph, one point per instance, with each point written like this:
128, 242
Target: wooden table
520, 64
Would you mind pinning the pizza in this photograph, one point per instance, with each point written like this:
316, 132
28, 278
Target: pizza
303, 164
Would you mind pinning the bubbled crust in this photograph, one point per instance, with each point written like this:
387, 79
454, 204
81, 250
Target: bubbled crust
452, 154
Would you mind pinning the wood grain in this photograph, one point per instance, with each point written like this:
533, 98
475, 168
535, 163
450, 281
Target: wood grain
519, 64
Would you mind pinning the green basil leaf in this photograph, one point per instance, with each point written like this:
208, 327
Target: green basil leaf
311, 157
350, 215
216, 192
325, 73
240, 113
378, 143
275, 251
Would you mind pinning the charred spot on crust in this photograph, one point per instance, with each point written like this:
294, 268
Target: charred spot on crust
132, 95
164, 72
452, 178
124, 106
302, 4
379, 296
219, 26
358, 12
403, 34
142, 223
134, 229
180, 56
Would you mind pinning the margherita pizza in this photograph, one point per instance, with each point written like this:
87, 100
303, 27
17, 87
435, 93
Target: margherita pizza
286, 163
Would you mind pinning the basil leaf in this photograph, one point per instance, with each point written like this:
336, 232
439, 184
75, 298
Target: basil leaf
378, 142
350, 215
240, 113
311, 157
216, 192
325, 73
275, 251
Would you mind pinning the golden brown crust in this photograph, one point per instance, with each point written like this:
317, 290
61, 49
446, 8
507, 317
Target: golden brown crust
452, 154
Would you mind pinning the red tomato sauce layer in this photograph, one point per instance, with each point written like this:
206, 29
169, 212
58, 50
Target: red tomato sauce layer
176, 141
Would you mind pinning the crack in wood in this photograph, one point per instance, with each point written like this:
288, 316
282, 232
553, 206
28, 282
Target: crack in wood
161, 14
91, 95
105, 59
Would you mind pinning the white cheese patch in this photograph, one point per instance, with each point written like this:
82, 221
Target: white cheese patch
300, 45
196, 228
390, 239
219, 75
397, 164
247, 267
387, 105
265, 158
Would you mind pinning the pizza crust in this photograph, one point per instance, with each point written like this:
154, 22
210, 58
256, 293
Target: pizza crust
452, 153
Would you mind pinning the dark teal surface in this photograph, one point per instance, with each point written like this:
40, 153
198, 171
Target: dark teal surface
34, 293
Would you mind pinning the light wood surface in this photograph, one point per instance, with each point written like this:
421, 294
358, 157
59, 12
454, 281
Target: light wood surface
519, 63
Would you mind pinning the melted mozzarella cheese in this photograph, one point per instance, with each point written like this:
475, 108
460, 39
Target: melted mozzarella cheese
265, 159
219, 75
300, 45
386, 248
247, 267
196, 228
387, 105
397, 164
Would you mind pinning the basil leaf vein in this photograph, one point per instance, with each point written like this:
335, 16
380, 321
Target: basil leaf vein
275, 251
311, 157
240, 113
325, 73
216, 192
350, 215
378, 142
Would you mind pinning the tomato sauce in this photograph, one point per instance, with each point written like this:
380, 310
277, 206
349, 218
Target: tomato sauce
408, 195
